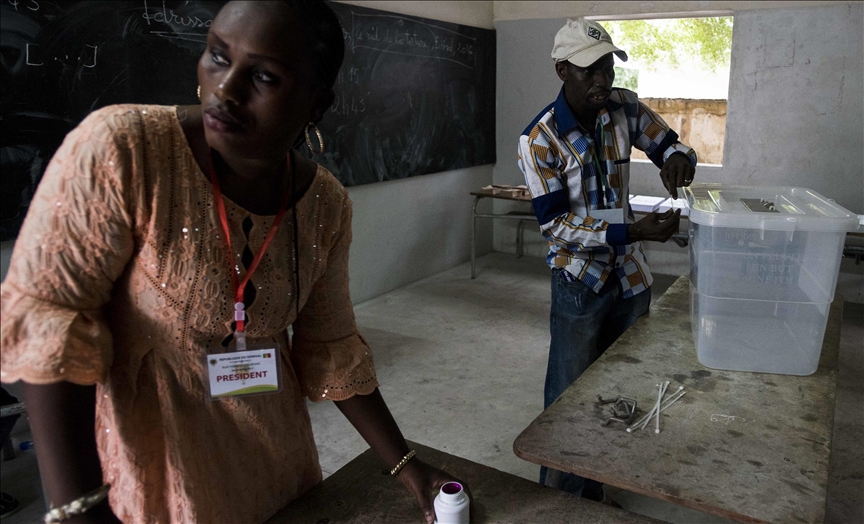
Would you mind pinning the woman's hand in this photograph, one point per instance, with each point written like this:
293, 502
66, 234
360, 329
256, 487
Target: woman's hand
370, 416
422, 479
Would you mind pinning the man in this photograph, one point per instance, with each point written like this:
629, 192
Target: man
575, 157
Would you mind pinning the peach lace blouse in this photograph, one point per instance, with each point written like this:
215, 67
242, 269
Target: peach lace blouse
119, 278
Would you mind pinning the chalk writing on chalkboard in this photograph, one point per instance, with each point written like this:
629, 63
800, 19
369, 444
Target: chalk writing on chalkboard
63, 59
87, 56
414, 96
161, 14
400, 35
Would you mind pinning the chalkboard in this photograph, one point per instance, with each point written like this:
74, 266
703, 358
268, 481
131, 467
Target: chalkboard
415, 96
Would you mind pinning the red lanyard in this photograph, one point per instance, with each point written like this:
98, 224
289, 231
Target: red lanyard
240, 286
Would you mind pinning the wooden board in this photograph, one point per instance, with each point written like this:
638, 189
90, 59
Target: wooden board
487, 193
746, 446
363, 492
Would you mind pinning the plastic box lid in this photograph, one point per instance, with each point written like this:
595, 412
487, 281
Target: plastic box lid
768, 208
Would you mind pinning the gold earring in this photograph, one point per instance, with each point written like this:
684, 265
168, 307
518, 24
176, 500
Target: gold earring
309, 141
199, 93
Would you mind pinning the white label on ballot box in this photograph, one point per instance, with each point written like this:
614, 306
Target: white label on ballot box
613, 216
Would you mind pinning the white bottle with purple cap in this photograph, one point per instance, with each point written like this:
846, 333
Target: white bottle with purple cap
452, 504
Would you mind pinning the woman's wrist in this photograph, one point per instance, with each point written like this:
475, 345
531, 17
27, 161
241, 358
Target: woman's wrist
407, 458
79, 507
99, 514
411, 470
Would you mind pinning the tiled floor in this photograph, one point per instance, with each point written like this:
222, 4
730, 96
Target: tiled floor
461, 363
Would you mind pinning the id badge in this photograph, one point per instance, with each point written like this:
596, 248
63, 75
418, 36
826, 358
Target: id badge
613, 216
244, 373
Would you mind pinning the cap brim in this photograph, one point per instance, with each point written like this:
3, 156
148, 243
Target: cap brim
586, 57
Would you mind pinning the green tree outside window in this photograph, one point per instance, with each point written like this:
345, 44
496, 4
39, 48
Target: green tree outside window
659, 44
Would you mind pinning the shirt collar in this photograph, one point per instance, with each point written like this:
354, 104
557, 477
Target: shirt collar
564, 118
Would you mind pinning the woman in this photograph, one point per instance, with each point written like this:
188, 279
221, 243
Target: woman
119, 279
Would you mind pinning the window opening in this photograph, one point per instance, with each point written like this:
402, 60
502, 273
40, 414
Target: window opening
680, 69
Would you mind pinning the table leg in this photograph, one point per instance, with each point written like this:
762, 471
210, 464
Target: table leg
520, 242
474, 238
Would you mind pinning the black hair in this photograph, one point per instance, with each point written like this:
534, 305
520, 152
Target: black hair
326, 40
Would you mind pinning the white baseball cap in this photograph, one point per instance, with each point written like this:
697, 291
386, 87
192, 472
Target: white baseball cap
582, 42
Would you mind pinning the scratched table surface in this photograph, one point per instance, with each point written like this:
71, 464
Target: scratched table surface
746, 446
363, 492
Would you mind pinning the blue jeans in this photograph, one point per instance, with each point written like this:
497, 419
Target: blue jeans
583, 324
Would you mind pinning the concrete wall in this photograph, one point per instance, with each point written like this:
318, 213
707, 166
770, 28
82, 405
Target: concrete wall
405, 230
795, 113
796, 101
621, 10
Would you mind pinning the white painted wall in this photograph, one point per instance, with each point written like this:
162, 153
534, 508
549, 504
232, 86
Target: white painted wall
405, 230
795, 114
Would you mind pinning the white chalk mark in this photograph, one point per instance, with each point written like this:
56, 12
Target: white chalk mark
191, 37
414, 55
409, 20
27, 56
429, 27
145, 13
95, 50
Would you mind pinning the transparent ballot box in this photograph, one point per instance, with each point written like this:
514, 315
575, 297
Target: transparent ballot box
763, 267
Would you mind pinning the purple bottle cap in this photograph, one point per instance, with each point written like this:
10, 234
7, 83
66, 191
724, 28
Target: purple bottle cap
451, 488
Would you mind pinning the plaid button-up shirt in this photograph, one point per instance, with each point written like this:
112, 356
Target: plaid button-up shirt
560, 162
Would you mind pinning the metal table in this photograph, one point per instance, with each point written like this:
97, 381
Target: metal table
521, 216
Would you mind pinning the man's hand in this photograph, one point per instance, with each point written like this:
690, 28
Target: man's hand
422, 479
677, 172
658, 227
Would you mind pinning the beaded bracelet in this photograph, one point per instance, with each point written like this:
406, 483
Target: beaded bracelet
402, 462
77, 506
